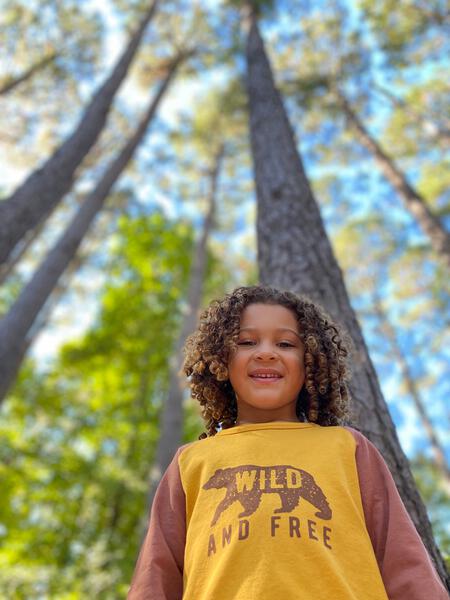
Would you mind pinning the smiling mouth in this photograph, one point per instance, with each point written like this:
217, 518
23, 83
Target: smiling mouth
266, 377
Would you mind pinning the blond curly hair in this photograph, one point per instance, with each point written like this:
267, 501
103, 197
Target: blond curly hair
324, 397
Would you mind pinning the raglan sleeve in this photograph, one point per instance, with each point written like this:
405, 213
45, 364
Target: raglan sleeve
158, 574
404, 563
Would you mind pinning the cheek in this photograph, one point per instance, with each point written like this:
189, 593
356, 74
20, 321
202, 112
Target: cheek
300, 367
235, 369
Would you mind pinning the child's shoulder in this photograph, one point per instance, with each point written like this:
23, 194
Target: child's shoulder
195, 445
362, 442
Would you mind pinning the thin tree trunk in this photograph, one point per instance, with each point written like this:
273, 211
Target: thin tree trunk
294, 253
400, 358
117, 504
44, 315
43, 189
12, 82
7, 269
16, 256
47, 310
171, 429
15, 325
414, 202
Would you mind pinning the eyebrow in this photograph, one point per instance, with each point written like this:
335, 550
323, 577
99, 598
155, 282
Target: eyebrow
278, 329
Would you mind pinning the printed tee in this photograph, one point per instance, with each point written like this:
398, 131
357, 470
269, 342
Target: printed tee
281, 509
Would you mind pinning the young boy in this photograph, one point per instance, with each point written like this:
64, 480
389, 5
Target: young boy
277, 499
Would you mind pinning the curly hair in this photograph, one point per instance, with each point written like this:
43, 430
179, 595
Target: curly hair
324, 397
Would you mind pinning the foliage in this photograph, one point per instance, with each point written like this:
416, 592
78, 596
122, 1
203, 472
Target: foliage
78, 440
33, 113
437, 499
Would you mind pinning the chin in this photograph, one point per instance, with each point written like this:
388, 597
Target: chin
269, 406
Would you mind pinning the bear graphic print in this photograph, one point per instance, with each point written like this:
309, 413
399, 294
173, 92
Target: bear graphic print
248, 484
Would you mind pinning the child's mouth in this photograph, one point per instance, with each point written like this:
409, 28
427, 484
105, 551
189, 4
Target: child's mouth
266, 377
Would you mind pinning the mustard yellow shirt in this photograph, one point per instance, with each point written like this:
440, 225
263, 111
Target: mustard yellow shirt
276, 510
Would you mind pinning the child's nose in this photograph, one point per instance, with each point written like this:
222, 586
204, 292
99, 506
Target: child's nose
265, 354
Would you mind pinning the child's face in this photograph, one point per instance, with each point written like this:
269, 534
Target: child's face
267, 370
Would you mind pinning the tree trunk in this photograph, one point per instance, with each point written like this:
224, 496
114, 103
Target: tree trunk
22, 248
118, 503
12, 82
43, 317
414, 202
44, 188
15, 326
53, 300
171, 429
400, 359
16, 256
294, 253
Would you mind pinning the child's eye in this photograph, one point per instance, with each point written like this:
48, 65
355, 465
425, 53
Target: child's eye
286, 345
245, 343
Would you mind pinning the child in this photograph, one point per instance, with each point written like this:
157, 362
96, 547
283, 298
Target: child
277, 499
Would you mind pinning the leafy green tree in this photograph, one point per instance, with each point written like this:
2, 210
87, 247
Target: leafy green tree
411, 30
77, 471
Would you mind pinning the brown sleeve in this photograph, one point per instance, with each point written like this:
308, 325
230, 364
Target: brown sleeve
159, 570
404, 563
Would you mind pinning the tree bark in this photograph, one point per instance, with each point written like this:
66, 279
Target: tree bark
15, 326
413, 390
44, 188
12, 82
171, 429
43, 317
53, 300
294, 253
16, 256
414, 202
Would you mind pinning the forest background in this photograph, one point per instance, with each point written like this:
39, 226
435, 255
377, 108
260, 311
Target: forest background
145, 210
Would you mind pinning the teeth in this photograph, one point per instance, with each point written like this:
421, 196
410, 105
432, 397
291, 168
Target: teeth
266, 375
